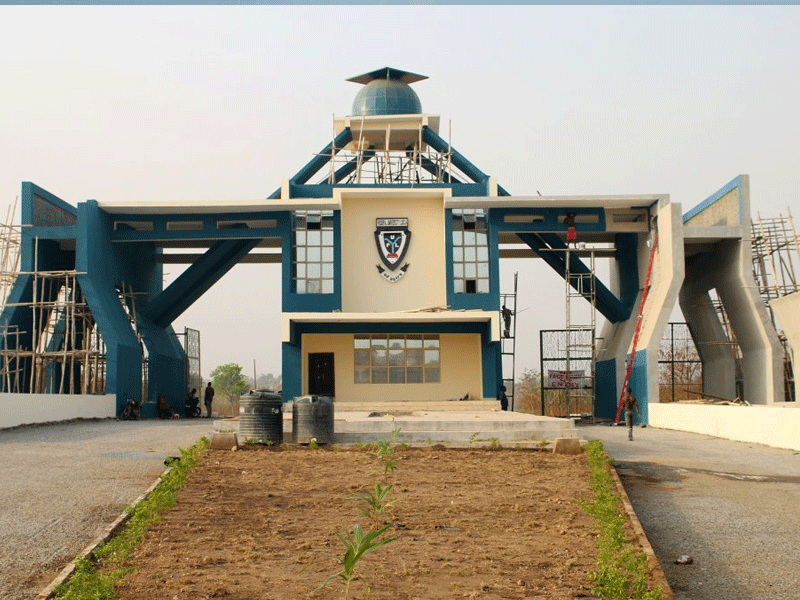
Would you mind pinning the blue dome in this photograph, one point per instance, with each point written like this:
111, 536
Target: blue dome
386, 97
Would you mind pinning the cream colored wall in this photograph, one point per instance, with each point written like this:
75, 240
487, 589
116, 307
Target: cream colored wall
423, 285
461, 371
724, 211
19, 409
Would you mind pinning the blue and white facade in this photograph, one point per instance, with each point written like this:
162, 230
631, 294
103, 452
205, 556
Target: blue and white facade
390, 242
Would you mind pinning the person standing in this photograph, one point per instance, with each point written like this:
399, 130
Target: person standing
208, 399
630, 404
503, 398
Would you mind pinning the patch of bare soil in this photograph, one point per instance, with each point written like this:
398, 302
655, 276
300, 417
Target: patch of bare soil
261, 524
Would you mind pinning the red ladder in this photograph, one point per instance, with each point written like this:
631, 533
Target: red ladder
638, 327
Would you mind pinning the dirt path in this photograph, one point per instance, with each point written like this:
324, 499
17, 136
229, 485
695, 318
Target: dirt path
262, 524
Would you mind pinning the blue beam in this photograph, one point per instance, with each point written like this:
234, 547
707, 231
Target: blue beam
196, 280
544, 245
321, 159
456, 158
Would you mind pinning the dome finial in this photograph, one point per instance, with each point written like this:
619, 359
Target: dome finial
386, 91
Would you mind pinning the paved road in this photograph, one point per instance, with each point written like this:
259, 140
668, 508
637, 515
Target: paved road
733, 507
63, 484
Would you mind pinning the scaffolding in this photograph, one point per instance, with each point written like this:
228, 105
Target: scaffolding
581, 342
391, 158
508, 341
776, 264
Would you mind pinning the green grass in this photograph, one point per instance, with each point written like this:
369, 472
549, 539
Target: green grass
622, 571
96, 577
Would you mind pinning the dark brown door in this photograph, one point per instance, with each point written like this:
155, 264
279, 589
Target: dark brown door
321, 380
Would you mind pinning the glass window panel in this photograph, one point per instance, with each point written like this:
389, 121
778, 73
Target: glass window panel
300, 286
379, 356
432, 341
314, 270
300, 253
431, 357
300, 238
327, 254
414, 357
327, 221
458, 286
414, 375
483, 286
361, 375
458, 238
458, 253
470, 271
380, 376
397, 375
481, 225
458, 270
314, 238
483, 253
414, 341
327, 286
469, 254
327, 238
299, 222
469, 238
313, 286
361, 341
300, 270
483, 270
432, 375
397, 357
480, 239
313, 254
327, 270
361, 357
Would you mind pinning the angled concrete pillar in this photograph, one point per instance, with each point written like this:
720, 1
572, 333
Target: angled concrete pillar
712, 343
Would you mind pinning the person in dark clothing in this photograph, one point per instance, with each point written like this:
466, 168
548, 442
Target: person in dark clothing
191, 406
503, 398
165, 410
630, 404
208, 399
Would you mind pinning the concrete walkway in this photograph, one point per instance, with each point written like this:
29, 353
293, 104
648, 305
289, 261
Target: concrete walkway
62, 484
733, 507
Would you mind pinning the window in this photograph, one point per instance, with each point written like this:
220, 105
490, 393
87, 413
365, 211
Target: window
312, 257
470, 251
392, 358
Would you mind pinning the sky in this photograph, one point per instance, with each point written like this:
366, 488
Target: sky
187, 103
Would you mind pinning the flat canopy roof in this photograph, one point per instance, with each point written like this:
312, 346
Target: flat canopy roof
266, 205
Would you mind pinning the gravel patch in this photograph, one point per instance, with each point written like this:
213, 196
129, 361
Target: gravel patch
731, 506
64, 483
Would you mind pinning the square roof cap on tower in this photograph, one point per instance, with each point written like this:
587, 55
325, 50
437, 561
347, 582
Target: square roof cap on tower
386, 91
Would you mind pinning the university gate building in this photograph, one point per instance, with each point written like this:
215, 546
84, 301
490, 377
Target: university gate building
389, 242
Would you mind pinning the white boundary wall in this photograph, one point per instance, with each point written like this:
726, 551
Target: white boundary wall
777, 425
26, 409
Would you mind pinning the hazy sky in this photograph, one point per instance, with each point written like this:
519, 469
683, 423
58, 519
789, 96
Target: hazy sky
223, 103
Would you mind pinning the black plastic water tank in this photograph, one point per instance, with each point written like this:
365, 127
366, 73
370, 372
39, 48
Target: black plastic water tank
261, 417
312, 418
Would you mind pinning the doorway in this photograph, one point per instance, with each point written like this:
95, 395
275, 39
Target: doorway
321, 380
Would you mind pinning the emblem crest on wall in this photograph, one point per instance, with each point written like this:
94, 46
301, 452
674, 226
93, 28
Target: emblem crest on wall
392, 237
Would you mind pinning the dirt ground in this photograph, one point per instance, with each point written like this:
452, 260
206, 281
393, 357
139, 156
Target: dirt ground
261, 524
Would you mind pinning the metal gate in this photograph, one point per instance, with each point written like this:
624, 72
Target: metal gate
191, 346
679, 366
567, 386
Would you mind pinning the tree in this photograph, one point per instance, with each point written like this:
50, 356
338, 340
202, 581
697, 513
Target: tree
528, 392
229, 381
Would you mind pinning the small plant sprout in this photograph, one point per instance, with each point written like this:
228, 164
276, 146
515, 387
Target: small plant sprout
312, 443
473, 437
377, 504
357, 545
495, 443
543, 443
